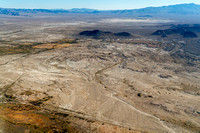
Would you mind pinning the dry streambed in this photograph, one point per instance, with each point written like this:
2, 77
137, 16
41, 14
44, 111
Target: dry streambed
87, 85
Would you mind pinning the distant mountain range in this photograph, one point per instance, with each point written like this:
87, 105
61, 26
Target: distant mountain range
176, 9
172, 9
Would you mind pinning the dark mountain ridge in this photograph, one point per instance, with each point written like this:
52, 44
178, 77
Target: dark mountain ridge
187, 31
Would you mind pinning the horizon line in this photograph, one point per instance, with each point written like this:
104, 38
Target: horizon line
98, 9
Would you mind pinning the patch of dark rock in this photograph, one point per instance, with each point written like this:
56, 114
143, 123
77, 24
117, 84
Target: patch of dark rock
150, 96
102, 58
81, 118
52, 118
62, 114
165, 76
139, 94
161, 106
90, 121
40, 101
9, 97
36, 103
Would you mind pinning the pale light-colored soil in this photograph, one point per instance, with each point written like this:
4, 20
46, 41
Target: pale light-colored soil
110, 82
103, 85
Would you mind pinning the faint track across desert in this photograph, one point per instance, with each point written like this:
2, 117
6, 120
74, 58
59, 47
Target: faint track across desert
113, 93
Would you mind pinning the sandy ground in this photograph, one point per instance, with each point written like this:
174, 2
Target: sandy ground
127, 85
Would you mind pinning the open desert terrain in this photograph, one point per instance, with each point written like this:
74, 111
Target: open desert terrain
119, 78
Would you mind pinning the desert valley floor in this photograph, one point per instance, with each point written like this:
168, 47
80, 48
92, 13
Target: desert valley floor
54, 80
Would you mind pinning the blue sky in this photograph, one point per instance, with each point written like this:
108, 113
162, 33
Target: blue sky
94, 4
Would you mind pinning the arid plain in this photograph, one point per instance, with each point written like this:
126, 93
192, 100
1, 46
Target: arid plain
54, 80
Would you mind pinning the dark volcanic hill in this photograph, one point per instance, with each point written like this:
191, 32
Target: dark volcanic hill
104, 34
186, 31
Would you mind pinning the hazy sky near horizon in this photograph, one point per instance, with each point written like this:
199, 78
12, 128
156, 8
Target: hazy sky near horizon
93, 4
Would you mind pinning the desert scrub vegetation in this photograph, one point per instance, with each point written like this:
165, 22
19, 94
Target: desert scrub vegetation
7, 48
